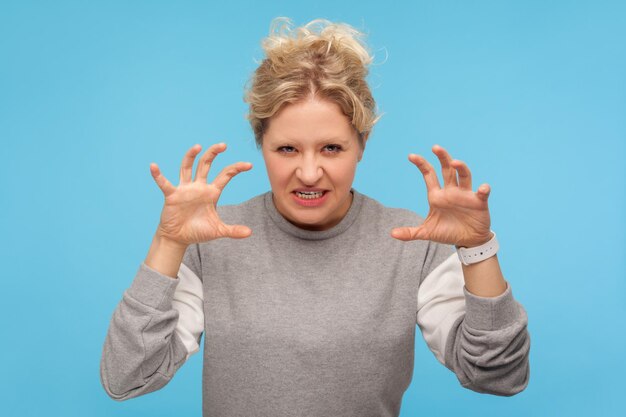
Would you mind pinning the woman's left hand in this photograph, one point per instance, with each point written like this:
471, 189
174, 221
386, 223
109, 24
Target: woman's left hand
457, 215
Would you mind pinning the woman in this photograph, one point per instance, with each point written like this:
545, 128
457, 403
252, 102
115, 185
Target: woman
310, 306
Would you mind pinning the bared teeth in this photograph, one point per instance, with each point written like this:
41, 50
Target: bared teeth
309, 195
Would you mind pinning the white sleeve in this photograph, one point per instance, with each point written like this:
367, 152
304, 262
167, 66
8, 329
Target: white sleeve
188, 300
440, 302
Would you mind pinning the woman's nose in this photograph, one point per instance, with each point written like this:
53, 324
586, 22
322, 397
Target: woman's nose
309, 171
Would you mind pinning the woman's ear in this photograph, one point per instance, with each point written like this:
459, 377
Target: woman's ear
362, 143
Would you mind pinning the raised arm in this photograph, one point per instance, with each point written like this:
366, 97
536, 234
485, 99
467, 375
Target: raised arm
467, 313
159, 321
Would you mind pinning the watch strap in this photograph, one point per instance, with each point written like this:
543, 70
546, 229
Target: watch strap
469, 256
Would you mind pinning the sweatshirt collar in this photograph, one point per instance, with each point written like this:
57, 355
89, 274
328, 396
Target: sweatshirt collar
291, 229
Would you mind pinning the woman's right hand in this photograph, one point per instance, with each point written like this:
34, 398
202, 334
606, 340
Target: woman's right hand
189, 214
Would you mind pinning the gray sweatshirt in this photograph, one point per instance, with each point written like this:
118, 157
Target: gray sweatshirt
312, 323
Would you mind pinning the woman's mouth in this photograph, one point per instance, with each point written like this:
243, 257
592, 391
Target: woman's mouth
310, 198
309, 195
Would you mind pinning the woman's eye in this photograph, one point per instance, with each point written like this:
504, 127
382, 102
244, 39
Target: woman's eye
286, 149
332, 148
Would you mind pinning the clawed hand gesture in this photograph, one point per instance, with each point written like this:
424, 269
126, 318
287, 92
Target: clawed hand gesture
189, 214
457, 215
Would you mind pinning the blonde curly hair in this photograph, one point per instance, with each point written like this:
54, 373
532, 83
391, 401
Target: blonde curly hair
323, 59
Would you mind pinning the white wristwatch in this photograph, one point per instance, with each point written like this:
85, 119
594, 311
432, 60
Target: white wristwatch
469, 256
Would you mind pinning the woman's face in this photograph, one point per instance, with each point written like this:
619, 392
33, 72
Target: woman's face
311, 151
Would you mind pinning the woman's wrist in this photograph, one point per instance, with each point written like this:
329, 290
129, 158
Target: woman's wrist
477, 241
484, 279
165, 255
481, 269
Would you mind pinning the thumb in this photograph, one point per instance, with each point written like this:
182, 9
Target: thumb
408, 233
237, 231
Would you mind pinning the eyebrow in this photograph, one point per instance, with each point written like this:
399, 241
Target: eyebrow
333, 140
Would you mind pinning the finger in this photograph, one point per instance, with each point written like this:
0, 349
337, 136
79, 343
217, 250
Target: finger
448, 173
408, 233
229, 172
187, 165
427, 170
161, 181
465, 176
236, 231
204, 164
483, 192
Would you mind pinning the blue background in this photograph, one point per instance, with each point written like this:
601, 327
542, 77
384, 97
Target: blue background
531, 94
